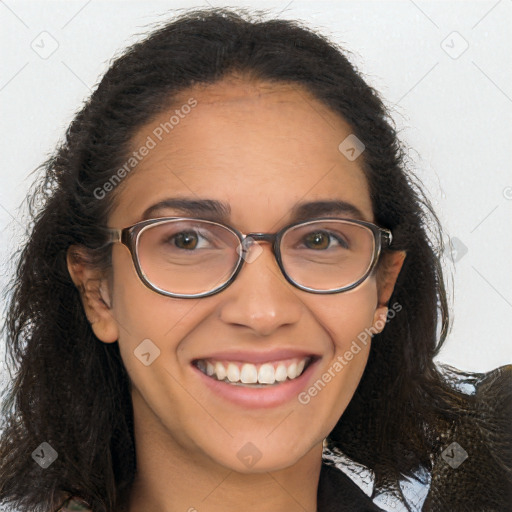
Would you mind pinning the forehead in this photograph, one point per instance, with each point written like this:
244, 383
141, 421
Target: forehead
257, 146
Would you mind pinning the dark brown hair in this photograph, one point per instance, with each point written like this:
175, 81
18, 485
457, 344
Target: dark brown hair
72, 391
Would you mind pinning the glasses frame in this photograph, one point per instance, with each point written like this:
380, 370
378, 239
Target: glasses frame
129, 236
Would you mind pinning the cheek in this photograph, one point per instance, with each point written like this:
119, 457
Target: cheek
147, 321
346, 316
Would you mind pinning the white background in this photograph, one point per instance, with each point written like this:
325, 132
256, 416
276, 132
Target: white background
455, 114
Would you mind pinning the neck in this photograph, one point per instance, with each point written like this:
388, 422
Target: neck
170, 478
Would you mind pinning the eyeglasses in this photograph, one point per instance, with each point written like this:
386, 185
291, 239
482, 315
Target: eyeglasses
191, 258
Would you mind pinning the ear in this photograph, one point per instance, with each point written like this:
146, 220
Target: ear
94, 292
387, 275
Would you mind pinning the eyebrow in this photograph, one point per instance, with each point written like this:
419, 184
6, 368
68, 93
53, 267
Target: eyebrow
211, 208
220, 211
306, 210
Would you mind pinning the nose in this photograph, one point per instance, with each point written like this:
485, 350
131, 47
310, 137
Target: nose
260, 298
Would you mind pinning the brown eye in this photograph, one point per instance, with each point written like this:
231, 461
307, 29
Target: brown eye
318, 240
186, 240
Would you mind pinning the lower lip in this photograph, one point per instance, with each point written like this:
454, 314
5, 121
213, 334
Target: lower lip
262, 398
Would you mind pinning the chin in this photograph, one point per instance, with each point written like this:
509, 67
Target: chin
262, 456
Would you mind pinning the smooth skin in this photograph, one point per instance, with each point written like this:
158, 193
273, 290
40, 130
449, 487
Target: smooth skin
261, 148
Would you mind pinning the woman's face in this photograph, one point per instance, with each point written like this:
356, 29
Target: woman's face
261, 150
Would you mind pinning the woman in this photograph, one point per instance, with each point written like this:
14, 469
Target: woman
229, 299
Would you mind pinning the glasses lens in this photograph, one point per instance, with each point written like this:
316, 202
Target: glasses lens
327, 255
187, 257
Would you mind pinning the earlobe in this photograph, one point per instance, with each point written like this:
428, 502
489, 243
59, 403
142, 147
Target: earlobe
380, 318
93, 288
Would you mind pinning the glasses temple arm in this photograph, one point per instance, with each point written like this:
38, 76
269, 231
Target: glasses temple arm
388, 237
113, 235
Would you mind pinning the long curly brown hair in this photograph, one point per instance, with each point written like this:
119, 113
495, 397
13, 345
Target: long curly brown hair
73, 392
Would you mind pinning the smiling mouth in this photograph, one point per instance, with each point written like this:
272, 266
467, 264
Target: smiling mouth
254, 375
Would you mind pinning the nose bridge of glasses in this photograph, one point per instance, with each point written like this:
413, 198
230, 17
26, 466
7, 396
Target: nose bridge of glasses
251, 238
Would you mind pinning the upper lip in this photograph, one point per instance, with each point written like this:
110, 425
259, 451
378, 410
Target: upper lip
258, 357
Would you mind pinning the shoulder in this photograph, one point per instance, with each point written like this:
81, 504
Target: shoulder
473, 466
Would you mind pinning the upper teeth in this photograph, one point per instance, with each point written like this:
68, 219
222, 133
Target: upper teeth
248, 373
